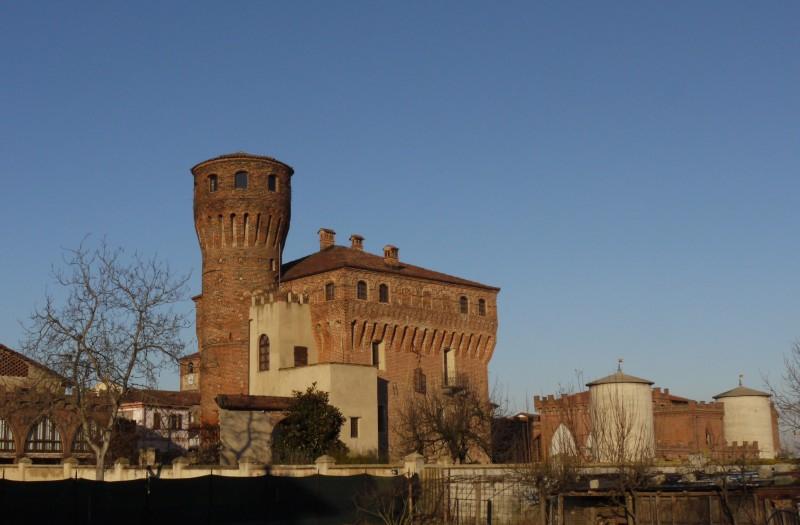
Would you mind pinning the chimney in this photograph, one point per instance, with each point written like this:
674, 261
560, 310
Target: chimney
357, 242
390, 255
326, 238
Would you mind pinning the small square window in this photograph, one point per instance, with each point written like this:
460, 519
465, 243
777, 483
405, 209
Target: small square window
300, 356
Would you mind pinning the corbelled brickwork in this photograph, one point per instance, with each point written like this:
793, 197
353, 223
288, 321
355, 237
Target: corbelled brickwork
242, 209
420, 320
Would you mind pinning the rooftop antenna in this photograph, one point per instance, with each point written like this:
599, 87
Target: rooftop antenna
619, 364
741, 378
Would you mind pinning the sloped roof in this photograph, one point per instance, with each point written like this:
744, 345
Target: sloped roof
195, 355
337, 257
246, 402
242, 155
619, 377
163, 398
742, 391
13, 354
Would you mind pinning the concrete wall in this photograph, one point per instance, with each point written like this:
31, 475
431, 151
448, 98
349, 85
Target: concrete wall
352, 389
749, 418
622, 421
246, 436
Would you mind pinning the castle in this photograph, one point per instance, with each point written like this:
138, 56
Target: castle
369, 329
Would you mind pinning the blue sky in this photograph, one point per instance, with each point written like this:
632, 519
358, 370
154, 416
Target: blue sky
626, 172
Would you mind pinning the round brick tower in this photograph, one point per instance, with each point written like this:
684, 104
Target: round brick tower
242, 207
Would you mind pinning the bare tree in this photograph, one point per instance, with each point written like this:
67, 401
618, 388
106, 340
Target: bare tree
454, 422
112, 329
787, 396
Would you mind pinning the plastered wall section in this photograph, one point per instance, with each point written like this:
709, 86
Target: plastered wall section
749, 418
352, 387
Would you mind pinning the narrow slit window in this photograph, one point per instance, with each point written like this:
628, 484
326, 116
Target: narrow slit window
354, 427
263, 353
212, 183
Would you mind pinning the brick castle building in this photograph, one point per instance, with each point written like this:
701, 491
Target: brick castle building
370, 329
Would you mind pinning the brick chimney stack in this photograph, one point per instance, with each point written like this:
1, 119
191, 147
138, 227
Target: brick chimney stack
357, 242
327, 238
390, 255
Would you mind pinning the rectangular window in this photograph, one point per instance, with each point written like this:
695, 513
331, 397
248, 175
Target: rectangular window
354, 427
381, 418
300, 356
175, 421
330, 292
376, 354
156, 421
420, 381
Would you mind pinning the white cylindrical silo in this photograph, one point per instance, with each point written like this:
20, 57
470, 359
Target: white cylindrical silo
748, 418
621, 411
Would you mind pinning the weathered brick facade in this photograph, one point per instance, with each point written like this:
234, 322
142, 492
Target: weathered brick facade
241, 231
682, 426
420, 315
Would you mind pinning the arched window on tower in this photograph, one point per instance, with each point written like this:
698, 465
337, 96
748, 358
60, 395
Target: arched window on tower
361, 290
463, 304
43, 437
272, 183
263, 353
190, 368
481, 306
240, 180
6, 437
383, 293
330, 292
212, 183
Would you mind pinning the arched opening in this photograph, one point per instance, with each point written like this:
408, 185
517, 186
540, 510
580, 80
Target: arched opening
563, 442
463, 304
43, 437
361, 290
263, 353
80, 443
6, 437
190, 368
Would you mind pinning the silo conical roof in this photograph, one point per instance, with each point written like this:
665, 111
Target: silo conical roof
742, 391
619, 377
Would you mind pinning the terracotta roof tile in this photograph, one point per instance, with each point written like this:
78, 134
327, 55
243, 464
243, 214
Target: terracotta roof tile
163, 398
28, 360
245, 402
337, 257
